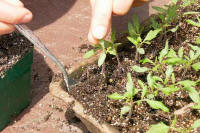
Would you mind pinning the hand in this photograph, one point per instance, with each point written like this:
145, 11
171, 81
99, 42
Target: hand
102, 11
12, 12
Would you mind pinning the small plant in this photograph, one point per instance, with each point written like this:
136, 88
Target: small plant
194, 23
135, 31
167, 16
107, 47
131, 91
163, 128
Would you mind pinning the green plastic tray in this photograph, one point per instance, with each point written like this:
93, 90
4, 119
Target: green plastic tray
15, 89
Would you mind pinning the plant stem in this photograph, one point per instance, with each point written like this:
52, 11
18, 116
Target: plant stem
136, 56
118, 61
103, 70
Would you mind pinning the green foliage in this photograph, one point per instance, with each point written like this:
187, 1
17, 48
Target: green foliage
159, 128
189, 86
163, 128
139, 69
107, 47
157, 105
135, 31
196, 124
167, 15
131, 91
194, 23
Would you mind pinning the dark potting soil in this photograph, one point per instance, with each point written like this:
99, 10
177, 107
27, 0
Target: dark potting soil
12, 48
93, 88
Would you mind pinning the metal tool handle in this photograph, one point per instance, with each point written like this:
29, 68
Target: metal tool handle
28, 33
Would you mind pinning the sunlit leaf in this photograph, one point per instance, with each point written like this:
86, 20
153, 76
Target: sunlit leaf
151, 34
164, 52
125, 110
146, 60
89, 54
157, 105
102, 58
196, 124
180, 52
140, 50
139, 69
159, 128
196, 66
169, 90
115, 96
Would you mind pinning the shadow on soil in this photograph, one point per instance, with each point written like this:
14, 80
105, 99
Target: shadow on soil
47, 11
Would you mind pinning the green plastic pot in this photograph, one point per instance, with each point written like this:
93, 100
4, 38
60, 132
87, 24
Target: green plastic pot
15, 89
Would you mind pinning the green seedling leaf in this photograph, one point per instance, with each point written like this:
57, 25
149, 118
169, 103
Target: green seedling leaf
174, 29
173, 78
164, 52
198, 41
156, 78
139, 69
196, 124
159, 128
144, 89
191, 53
131, 90
102, 58
113, 35
196, 66
102, 43
157, 105
196, 106
174, 122
187, 83
169, 90
136, 23
125, 110
190, 13
154, 24
195, 48
131, 30
134, 41
174, 61
171, 54
168, 73
189, 21
115, 96
151, 35
159, 9
146, 60
180, 52
89, 54
171, 13
150, 80
111, 50
140, 51
193, 93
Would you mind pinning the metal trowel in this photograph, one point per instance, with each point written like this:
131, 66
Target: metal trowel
28, 33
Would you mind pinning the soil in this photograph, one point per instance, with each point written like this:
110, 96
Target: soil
93, 88
12, 48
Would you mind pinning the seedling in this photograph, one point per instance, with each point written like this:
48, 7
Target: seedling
167, 16
107, 47
189, 86
194, 23
135, 31
131, 91
163, 128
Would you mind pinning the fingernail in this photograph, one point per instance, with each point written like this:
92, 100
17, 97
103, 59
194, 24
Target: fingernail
99, 32
26, 18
